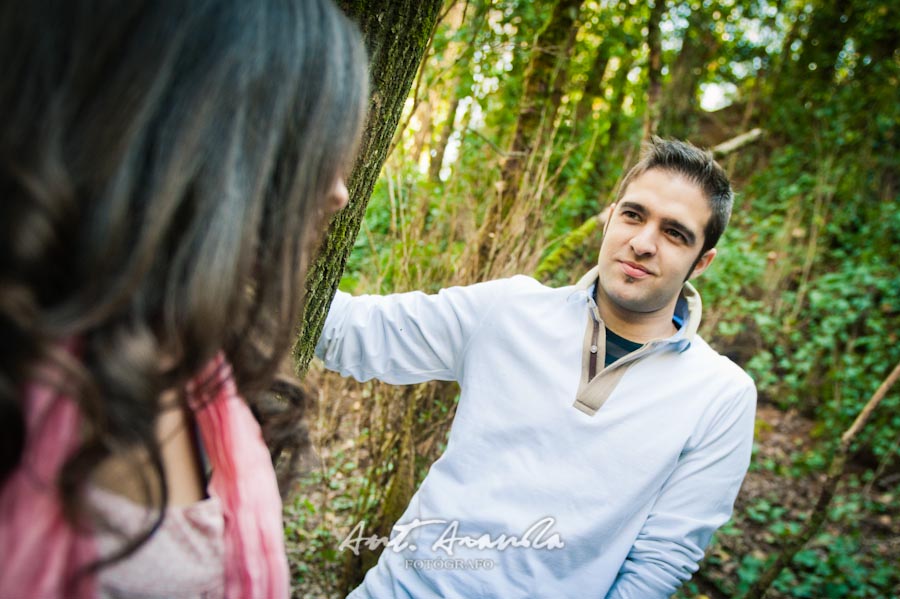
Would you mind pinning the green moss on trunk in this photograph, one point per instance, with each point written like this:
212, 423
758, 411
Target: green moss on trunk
396, 34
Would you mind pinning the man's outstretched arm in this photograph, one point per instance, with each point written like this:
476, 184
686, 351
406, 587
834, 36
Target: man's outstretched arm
407, 337
697, 498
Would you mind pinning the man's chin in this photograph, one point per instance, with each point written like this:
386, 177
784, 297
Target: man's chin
636, 303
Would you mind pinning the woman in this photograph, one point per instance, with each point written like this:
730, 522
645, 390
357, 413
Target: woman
166, 168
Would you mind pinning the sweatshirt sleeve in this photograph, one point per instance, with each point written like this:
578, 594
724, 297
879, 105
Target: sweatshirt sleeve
695, 500
404, 338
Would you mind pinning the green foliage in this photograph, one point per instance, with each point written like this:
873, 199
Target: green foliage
831, 568
314, 529
847, 559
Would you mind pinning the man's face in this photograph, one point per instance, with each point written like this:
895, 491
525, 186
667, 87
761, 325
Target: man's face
652, 239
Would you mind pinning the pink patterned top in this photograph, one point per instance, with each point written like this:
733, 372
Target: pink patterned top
184, 558
231, 545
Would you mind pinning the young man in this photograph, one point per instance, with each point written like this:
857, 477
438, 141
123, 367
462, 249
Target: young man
598, 441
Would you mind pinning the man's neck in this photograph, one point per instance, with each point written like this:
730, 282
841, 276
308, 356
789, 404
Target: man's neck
635, 326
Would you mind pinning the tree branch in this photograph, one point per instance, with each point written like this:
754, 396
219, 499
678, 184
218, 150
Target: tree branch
736, 143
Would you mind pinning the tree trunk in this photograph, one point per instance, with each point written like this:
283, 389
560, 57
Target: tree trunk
545, 73
654, 69
463, 87
396, 34
679, 103
601, 158
810, 77
593, 89
437, 159
544, 80
422, 138
783, 62
828, 32
589, 134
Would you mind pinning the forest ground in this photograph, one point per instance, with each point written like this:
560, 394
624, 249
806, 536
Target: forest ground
776, 496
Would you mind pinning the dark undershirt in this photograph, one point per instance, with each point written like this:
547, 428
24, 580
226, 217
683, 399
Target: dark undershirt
618, 347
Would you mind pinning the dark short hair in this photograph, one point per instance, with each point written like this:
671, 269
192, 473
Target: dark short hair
696, 165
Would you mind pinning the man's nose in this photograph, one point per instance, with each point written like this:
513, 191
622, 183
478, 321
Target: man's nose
644, 242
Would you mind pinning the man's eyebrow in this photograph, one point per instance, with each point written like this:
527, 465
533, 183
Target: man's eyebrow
633, 206
689, 235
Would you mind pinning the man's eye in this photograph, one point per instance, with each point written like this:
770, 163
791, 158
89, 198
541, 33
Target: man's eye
678, 235
630, 214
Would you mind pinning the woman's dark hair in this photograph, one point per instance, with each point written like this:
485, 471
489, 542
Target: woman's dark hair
163, 171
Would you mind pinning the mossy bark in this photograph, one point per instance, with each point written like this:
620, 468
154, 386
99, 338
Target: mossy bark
573, 242
396, 33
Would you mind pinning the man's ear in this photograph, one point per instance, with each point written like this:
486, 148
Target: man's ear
606, 216
703, 263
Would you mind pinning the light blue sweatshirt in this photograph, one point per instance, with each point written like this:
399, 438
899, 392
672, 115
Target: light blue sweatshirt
552, 485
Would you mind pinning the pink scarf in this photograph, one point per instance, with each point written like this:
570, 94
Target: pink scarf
39, 549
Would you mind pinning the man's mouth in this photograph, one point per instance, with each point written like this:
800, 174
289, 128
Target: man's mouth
635, 271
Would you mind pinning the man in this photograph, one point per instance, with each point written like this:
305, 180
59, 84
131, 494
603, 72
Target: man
598, 441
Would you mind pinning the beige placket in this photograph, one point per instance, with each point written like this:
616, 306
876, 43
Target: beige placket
595, 387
